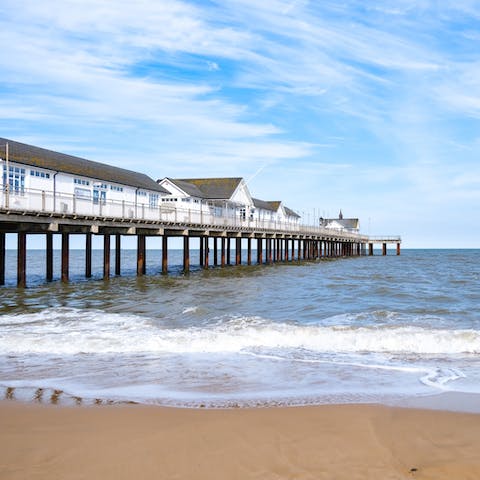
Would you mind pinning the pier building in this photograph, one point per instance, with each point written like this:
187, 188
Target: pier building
50, 193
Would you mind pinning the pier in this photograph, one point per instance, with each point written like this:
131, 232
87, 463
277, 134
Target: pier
271, 245
53, 194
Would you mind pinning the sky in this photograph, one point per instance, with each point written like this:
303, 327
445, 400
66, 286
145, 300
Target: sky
368, 107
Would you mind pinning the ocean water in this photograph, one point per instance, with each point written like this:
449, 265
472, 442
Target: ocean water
367, 329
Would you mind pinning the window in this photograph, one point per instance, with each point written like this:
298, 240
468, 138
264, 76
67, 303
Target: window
141, 193
16, 179
153, 199
115, 188
38, 173
81, 181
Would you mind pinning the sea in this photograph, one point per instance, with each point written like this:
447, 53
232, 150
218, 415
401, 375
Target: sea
371, 329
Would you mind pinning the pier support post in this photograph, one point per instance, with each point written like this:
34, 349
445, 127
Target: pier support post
201, 250
164, 254
222, 253
370, 249
384, 248
118, 254
286, 249
106, 256
186, 254
270, 253
88, 255
22, 260
207, 252
141, 244
238, 251
65, 257
249, 251
293, 250
49, 256
215, 251
2, 258
228, 250
259, 251
398, 248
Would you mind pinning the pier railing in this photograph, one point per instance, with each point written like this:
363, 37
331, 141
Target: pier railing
41, 202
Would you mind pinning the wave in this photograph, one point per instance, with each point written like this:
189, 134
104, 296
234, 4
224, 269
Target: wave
75, 331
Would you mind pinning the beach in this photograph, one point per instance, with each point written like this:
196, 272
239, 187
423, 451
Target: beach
320, 442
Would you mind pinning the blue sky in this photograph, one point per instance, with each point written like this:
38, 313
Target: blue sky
371, 107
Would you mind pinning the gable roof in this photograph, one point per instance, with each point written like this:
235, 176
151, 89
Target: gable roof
264, 205
273, 206
291, 213
60, 162
208, 188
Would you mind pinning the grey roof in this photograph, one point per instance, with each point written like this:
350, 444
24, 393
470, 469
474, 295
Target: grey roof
273, 206
208, 188
291, 213
264, 205
60, 162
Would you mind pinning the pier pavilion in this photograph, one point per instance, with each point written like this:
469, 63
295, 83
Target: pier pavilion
49, 193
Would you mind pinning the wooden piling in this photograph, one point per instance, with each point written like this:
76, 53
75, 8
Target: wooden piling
384, 248
118, 254
249, 251
22, 260
49, 257
88, 255
106, 256
228, 250
222, 253
207, 252
141, 247
65, 257
201, 251
215, 251
259, 251
2, 258
398, 249
238, 251
370, 249
164, 254
186, 253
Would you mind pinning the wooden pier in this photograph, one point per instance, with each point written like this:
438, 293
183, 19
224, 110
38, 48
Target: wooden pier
53, 194
271, 246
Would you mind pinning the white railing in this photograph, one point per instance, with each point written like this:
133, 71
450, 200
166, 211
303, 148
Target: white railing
58, 203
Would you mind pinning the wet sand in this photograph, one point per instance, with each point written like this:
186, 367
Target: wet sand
324, 442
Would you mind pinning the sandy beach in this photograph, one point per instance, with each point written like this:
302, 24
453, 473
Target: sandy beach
324, 442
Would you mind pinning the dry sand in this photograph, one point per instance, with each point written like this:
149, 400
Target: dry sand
325, 442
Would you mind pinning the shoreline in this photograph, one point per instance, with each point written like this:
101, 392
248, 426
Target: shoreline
322, 442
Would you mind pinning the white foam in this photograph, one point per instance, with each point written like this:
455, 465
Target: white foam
73, 331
